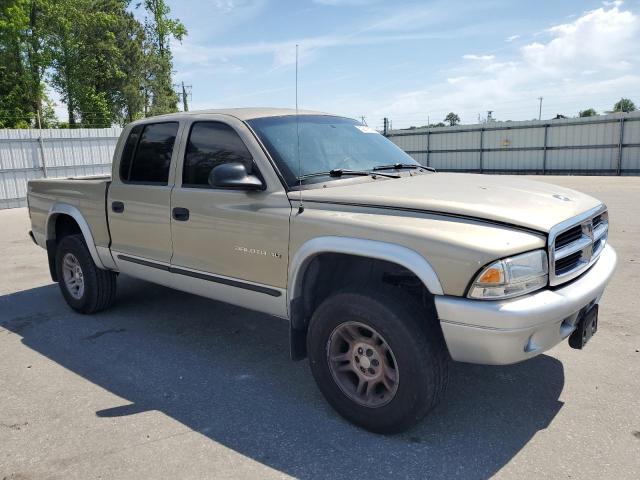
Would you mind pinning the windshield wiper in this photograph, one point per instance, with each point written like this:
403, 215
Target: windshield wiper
399, 166
339, 172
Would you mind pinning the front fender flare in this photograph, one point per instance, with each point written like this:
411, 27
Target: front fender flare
398, 254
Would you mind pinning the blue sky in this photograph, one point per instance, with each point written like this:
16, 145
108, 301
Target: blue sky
411, 60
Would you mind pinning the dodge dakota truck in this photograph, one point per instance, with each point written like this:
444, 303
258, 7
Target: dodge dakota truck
385, 269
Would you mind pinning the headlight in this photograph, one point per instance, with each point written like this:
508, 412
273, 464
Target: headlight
511, 276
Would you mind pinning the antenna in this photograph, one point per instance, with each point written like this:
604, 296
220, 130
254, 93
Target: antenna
300, 206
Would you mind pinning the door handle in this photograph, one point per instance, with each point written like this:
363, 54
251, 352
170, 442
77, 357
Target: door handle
117, 207
180, 214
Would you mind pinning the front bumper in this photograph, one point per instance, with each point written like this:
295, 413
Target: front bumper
499, 332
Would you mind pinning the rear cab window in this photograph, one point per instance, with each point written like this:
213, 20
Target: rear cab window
146, 157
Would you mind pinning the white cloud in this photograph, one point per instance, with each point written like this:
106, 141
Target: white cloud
188, 53
408, 23
423, 15
226, 6
283, 53
478, 57
591, 58
233, 6
600, 37
211, 20
561, 68
343, 3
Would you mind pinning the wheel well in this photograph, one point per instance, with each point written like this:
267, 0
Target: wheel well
65, 225
62, 226
330, 272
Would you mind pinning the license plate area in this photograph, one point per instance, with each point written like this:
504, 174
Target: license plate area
586, 328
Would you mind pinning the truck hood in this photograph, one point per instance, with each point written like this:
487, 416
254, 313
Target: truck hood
512, 200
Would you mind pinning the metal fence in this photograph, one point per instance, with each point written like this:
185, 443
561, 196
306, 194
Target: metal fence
601, 145
30, 154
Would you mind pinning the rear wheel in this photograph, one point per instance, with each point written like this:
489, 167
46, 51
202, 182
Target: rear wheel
85, 287
378, 358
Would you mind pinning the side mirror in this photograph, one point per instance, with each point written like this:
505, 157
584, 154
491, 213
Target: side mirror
234, 175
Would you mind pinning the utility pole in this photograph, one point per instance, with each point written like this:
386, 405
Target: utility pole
44, 162
540, 109
143, 89
184, 99
184, 93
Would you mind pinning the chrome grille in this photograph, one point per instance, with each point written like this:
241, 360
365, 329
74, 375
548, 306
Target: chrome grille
569, 236
575, 245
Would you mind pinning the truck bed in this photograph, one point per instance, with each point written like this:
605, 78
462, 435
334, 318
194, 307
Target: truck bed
86, 194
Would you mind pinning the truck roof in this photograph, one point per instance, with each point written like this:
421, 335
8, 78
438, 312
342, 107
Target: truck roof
243, 113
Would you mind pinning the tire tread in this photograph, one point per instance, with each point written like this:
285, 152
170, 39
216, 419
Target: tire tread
100, 285
423, 337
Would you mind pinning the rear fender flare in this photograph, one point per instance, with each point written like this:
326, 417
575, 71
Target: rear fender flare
66, 209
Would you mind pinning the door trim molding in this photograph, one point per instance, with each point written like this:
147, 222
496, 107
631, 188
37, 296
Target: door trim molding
232, 282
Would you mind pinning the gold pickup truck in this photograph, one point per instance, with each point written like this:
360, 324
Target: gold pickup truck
385, 269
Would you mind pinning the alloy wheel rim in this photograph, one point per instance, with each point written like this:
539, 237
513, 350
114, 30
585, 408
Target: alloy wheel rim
73, 276
362, 364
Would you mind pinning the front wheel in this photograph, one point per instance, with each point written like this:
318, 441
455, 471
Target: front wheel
85, 287
378, 358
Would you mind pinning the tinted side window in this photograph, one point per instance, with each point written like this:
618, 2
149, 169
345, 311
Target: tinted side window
152, 158
209, 145
128, 151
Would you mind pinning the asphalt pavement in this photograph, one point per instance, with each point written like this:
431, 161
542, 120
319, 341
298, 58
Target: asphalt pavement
170, 385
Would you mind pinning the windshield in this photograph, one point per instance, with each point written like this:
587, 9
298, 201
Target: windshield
326, 143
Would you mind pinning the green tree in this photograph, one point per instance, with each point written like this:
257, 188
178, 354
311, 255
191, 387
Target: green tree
452, 118
106, 65
130, 37
14, 105
23, 61
624, 105
37, 52
589, 112
98, 61
160, 29
48, 113
112, 67
63, 28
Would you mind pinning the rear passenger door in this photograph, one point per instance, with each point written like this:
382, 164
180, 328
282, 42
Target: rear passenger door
138, 203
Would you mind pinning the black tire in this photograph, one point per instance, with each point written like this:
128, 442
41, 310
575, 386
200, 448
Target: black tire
418, 348
99, 286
